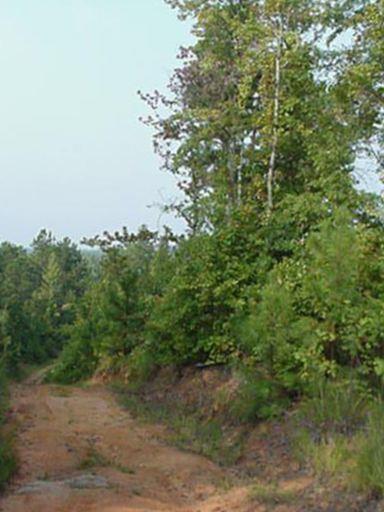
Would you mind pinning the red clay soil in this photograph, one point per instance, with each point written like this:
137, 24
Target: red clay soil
79, 451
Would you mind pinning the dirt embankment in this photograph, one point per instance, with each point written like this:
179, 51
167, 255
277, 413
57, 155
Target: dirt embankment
79, 451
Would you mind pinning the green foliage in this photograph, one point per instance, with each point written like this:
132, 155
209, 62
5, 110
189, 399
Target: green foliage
257, 398
319, 311
38, 293
281, 267
140, 366
369, 472
339, 433
7, 457
295, 287
80, 356
187, 430
335, 407
330, 459
110, 319
271, 494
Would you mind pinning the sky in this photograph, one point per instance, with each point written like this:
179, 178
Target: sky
74, 157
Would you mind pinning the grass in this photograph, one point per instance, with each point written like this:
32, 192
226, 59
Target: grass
337, 407
330, 458
340, 434
271, 494
206, 438
369, 471
187, 430
93, 459
125, 469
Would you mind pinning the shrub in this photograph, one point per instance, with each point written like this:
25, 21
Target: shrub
257, 397
369, 472
7, 458
336, 407
139, 366
339, 432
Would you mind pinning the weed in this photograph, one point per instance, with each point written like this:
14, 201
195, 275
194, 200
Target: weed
337, 407
125, 469
340, 434
257, 398
271, 494
332, 457
369, 471
187, 430
205, 438
93, 458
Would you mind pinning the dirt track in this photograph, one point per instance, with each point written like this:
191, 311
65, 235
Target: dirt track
79, 451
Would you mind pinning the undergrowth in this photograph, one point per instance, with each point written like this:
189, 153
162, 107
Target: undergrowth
7, 457
339, 434
271, 494
186, 429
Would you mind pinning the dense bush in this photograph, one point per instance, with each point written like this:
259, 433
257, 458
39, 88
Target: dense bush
39, 289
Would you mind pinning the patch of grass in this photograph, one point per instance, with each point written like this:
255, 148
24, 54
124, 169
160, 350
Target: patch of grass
20, 372
369, 470
125, 469
271, 494
94, 458
226, 483
139, 408
326, 425
337, 407
187, 430
206, 438
340, 434
329, 458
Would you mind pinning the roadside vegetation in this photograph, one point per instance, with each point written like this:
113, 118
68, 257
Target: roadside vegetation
280, 273
7, 456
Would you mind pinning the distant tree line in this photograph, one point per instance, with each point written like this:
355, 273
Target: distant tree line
39, 291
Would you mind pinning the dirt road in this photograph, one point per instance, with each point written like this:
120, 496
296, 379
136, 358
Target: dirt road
80, 452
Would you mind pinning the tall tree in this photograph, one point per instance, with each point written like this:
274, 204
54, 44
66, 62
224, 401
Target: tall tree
250, 111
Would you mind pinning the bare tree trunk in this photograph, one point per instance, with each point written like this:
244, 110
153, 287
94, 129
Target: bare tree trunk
275, 122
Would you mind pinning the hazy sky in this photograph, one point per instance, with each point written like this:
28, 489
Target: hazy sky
74, 157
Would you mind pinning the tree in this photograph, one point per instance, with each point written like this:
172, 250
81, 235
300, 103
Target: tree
251, 112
